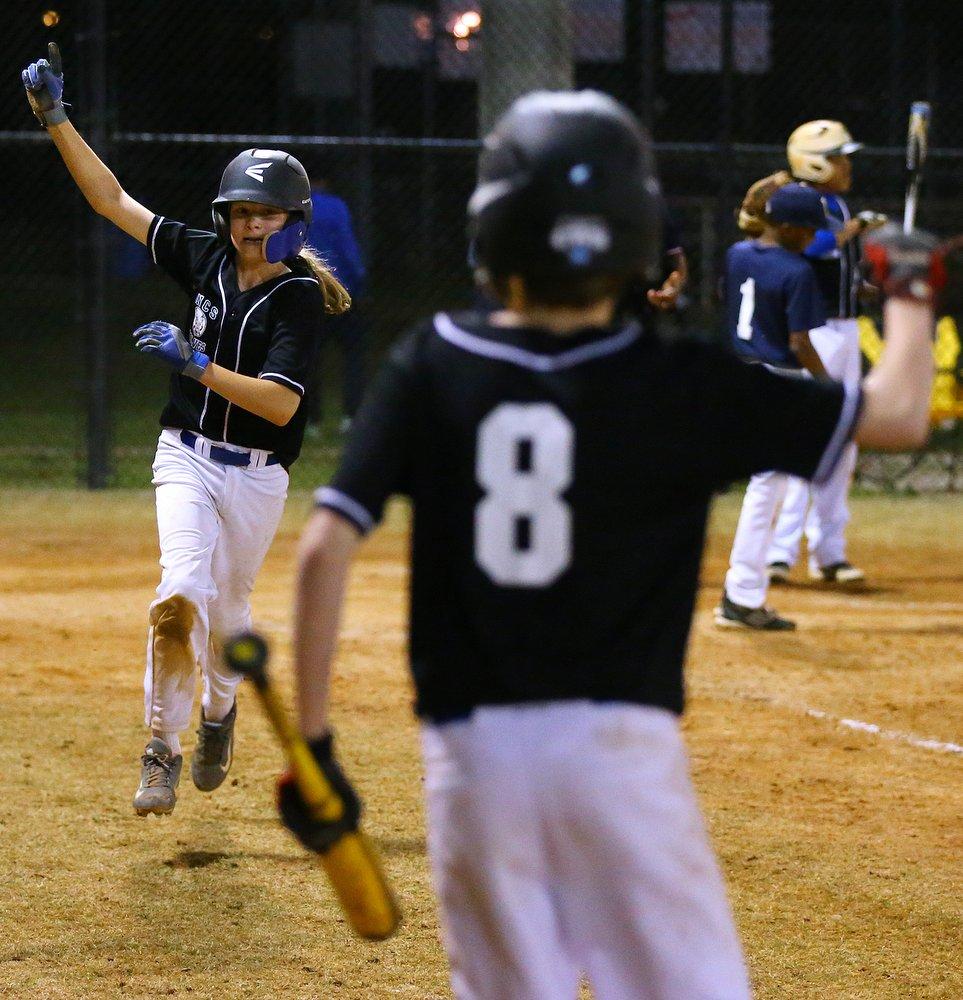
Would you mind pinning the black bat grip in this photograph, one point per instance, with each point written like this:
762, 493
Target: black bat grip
247, 654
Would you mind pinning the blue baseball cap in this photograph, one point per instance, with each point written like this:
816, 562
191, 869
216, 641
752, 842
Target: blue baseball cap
797, 205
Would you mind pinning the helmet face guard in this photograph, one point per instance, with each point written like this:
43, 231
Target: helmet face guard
567, 187
267, 177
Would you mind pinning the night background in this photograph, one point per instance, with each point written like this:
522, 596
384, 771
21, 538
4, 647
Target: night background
382, 99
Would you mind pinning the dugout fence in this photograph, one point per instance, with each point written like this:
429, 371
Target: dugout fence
384, 100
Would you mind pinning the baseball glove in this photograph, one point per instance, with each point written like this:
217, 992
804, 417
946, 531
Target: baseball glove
753, 206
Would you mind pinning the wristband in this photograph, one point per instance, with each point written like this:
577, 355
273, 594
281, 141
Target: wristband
196, 366
55, 116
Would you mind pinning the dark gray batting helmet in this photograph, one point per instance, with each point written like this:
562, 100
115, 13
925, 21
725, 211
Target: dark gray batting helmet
268, 177
567, 185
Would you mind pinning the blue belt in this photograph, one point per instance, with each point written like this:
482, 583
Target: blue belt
224, 455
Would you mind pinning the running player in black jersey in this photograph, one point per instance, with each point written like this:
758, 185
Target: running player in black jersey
560, 466
232, 426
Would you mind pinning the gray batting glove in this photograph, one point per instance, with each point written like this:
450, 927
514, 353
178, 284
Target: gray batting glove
872, 220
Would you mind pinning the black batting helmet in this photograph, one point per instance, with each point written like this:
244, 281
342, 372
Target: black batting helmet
268, 177
567, 186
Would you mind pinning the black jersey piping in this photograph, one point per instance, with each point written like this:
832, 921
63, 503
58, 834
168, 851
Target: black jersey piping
455, 335
845, 426
158, 222
278, 377
348, 507
220, 331
240, 335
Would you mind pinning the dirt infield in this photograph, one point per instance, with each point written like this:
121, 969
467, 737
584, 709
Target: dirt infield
841, 842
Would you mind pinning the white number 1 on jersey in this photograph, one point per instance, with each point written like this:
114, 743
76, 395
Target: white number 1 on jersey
523, 527
747, 306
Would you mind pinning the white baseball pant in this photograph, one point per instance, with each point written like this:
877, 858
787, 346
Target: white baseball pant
215, 524
837, 345
746, 580
565, 839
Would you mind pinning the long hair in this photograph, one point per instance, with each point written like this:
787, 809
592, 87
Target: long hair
336, 297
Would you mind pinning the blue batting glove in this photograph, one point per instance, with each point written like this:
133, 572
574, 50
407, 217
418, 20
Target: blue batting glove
165, 341
44, 81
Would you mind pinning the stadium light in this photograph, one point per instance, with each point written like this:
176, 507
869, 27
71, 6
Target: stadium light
463, 27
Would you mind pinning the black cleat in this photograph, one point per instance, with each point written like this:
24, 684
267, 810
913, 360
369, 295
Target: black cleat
841, 572
732, 615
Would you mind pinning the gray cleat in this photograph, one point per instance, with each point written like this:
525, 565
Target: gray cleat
160, 771
214, 751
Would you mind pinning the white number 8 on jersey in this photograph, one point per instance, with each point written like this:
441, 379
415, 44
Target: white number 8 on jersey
523, 527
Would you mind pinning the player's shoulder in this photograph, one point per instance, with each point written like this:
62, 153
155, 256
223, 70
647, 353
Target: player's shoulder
532, 347
772, 259
742, 248
746, 254
409, 349
163, 224
165, 232
300, 286
794, 265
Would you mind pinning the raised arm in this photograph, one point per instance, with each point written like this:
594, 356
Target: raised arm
44, 83
896, 392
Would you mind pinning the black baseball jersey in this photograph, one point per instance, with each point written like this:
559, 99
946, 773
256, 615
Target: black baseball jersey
837, 268
271, 331
560, 490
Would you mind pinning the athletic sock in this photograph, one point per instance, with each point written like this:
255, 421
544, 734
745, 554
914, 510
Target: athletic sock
173, 740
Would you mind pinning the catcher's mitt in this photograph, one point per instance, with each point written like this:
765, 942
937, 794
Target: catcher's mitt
753, 207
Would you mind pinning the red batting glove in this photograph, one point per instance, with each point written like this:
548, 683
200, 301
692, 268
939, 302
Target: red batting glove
906, 265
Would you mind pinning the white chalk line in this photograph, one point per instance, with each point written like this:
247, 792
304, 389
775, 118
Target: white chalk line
870, 728
895, 735
871, 604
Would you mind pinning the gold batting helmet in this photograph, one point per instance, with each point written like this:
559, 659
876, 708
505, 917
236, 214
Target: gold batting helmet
811, 144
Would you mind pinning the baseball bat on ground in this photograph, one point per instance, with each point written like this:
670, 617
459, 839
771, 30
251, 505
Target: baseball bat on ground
351, 863
917, 141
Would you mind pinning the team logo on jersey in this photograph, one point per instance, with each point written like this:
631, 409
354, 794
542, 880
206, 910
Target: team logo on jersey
200, 322
580, 237
204, 310
256, 170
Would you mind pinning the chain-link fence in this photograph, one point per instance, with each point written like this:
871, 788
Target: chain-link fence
383, 102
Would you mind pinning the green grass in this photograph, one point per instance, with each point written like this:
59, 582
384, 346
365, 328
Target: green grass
49, 451
43, 402
43, 418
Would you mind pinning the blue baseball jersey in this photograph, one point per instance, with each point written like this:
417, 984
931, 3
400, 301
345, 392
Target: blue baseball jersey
836, 268
770, 293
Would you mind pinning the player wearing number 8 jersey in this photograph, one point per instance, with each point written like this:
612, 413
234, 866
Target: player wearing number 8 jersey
560, 465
